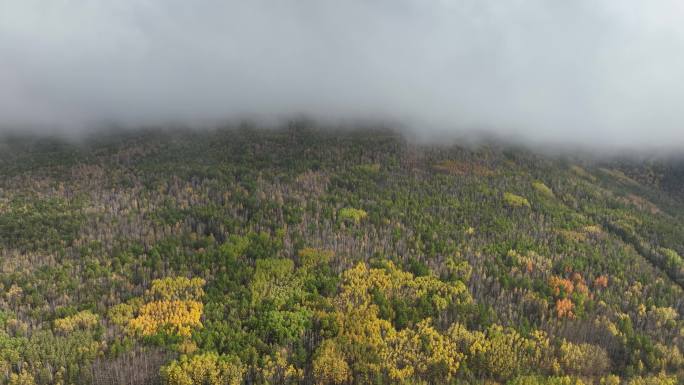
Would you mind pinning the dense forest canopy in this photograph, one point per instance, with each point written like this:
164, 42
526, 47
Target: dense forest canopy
307, 256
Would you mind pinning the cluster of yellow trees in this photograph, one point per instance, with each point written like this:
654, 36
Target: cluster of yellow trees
359, 343
513, 200
174, 307
366, 345
207, 368
360, 281
82, 320
178, 288
174, 317
351, 214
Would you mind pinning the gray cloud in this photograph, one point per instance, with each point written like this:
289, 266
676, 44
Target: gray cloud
584, 71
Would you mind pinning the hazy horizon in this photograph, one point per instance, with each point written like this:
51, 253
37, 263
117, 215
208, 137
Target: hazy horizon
600, 74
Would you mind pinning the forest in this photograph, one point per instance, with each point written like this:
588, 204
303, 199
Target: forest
309, 255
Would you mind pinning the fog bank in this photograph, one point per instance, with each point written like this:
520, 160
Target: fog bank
588, 72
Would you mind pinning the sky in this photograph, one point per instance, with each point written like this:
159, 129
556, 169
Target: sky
592, 72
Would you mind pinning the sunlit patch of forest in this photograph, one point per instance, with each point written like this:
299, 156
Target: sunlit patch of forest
308, 256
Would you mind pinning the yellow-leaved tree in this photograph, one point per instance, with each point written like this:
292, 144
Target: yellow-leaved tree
502, 353
368, 347
423, 353
174, 308
173, 317
204, 369
83, 320
584, 359
178, 288
329, 365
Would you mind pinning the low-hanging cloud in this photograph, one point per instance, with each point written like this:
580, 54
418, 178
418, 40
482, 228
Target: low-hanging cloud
582, 71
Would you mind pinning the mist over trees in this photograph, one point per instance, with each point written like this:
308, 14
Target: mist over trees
598, 73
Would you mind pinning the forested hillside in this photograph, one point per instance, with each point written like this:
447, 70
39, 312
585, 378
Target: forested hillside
306, 256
